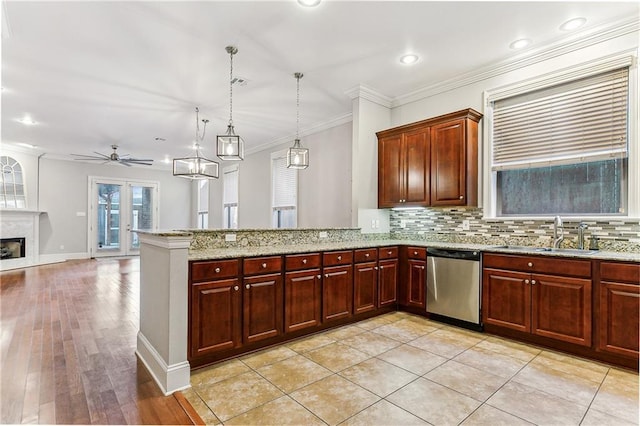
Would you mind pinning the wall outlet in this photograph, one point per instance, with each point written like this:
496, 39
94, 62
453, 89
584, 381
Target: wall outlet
377, 224
373, 224
323, 234
403, 223
81, 214
230, 237
465, 225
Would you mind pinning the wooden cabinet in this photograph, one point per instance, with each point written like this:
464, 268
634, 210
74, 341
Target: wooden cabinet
337, 285
302, 292
433, 162
262, 298
403, 165
618, 292
387, 276
365, 280
415, 278
215, 321
539, 295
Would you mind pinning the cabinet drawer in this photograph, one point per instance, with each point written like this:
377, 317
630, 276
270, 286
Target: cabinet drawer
294, 262
545, 265
388, 252
365, 255
262, 265
417, 253
625, 272
332, 258
214, 269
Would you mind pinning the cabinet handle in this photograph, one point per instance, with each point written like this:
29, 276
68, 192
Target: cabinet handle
530, 264
339, 257
264, 265
422, 267
415, 253
217, 270
304, 261
461, 197
526, 281
533, 282
375, 267
366, 255
382, 267
326, 275
248, 286
319, 276
236, 288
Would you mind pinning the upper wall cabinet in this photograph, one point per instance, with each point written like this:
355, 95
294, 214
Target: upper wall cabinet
433, 162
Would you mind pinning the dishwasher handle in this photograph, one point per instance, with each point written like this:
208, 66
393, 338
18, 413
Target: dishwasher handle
454, 253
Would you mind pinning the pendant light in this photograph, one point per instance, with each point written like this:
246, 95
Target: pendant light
230, 146
196, 167
297, 156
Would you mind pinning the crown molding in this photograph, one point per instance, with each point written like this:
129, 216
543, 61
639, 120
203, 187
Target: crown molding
561, 46
334, 122
370, 94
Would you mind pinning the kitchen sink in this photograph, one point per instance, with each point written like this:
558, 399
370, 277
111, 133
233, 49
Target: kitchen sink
566, 250
520, 248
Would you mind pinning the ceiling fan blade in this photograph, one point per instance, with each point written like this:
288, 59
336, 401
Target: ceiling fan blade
102, 155
124, 163
87, 157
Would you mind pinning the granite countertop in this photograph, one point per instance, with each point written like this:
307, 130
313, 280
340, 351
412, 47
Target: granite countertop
234, 252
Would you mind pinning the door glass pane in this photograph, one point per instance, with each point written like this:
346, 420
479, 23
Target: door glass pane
108, 226
141, 211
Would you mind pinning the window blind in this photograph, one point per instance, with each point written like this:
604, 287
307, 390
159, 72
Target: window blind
203, 195
580, 121
285, 184
230, 186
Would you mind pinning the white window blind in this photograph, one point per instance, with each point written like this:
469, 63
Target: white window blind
230, 185
580, 121
203, 195
285, 184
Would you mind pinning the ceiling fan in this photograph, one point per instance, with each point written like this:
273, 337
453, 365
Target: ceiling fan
114, 156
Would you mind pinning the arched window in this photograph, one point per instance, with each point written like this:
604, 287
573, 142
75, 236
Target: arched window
11, 184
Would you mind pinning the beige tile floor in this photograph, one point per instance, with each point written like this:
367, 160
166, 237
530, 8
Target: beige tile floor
402, 369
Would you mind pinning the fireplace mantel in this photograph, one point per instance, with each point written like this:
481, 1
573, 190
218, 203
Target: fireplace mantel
21, 223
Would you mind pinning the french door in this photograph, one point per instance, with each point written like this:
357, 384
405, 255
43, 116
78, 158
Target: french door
118, 208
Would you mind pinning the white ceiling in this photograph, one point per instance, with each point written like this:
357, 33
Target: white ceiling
92, 74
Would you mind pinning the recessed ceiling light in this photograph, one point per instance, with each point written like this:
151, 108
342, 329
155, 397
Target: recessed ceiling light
572, 24
309, 3
167, 160
26, 120
409, 59
520, 44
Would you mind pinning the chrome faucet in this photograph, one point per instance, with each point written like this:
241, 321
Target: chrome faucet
557, 224
581, 227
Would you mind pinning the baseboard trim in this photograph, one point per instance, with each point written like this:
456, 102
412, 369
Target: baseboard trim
169, 378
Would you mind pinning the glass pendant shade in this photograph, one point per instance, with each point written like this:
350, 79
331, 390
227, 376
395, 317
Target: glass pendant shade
195, 168
297, 156
230, 146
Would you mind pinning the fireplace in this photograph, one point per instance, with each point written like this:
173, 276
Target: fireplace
12, 248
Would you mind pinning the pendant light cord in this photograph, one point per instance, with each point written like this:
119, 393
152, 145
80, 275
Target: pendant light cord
231, 90
298, 75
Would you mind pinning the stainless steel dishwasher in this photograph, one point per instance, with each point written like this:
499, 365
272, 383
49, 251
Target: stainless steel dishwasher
453, 286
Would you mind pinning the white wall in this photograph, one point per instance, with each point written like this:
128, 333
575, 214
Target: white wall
324, 188
64, 192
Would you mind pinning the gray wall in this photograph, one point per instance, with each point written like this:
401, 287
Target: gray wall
64, 192
324, 189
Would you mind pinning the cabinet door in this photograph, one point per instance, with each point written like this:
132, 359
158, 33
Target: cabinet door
365, 287
618, 319
337, 292
448, 164
562, 308
387, 282
416, 283
506, 299
215, 316
262, 307
302, 300
416, 149
390, 171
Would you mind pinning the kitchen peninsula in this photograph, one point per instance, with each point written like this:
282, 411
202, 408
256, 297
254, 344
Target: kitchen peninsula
180, 270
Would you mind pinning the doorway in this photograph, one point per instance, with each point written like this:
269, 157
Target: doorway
118, 208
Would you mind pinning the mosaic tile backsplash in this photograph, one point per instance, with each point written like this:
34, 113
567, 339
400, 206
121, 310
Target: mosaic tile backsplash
446, 225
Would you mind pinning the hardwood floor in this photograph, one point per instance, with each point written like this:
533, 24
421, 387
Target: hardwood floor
68, 338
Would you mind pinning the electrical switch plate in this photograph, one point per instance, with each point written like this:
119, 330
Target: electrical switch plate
373, 223
81, 214
229, 237
403, 223
465, 225
323, 234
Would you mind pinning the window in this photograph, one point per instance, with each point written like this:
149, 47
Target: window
11, 184
284, 191
230, 197
563, 148
203, 203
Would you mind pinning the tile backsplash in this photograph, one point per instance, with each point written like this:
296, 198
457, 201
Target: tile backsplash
446, 224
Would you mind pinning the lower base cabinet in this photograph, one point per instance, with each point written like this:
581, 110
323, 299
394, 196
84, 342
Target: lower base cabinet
388, 277
262, 307
302, 300
337, 293
619, 309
